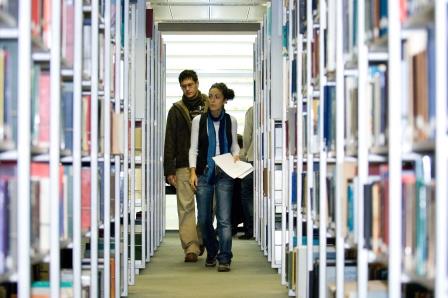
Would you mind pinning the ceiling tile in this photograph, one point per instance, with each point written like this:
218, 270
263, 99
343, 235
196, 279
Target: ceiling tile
162, 13
190, 12
256, 13
229, 13
187, 1
242, 2
157, 1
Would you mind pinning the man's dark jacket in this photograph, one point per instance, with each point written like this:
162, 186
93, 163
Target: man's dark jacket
177, 137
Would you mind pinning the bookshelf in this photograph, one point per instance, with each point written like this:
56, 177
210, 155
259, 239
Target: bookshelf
348, 149
64, 182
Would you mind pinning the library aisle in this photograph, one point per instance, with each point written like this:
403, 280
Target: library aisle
168, 276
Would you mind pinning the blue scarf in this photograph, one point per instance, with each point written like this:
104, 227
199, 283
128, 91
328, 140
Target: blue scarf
223, 143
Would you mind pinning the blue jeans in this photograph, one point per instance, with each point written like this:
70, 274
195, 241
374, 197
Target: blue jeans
247, 202
222, 189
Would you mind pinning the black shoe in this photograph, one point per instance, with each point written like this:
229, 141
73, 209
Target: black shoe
224, 267
201, 250
210, 261
246, 237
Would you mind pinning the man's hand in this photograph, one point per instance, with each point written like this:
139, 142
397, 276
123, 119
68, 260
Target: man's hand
172, 180
236, 158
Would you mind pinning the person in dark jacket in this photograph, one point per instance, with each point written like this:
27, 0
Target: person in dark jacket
176, 165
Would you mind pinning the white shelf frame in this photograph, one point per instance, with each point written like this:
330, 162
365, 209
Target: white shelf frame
441, 143
309, 152
24, 150
118, 79
77, 152
394, 79
94, 287
107, 148
323, 161
132, 94
363, 154
340, 107
55, 110
126, 151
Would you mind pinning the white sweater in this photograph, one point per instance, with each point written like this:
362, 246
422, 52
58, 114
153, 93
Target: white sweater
193, 153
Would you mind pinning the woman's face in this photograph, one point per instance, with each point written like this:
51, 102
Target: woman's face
216, 100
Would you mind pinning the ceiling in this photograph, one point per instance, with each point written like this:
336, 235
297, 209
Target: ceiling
208, 11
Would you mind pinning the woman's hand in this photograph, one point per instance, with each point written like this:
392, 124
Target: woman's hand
236, 158
193, 179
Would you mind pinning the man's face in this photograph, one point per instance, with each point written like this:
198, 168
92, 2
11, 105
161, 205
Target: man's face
189, 88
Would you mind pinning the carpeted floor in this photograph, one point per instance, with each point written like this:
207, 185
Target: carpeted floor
168, 276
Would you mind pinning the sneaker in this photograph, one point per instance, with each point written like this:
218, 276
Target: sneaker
191, 258
210, 261
224, 267
246, 237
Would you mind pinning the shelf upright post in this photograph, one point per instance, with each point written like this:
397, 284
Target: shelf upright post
300, 144
24, 150
148, 148
126, 149
309, 128
143, 193
55, 111
441, 145
394, 140
107, 149
77, 136
118, 78
323, 159
362, 261
94, 289
299, 128
255, 134
156, 93
339, 149
159, 110
285, 161
152, 153
161, 129
132, 108
266, 130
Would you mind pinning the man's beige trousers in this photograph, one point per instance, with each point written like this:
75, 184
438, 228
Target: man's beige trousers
188, 231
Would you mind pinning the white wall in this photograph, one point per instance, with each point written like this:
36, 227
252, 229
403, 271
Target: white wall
216, 58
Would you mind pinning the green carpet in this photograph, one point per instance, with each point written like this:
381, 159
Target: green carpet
168, 276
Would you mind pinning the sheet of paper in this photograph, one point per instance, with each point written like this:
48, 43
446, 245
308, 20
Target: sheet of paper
239, 169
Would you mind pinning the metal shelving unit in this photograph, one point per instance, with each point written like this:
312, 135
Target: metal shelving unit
152, 122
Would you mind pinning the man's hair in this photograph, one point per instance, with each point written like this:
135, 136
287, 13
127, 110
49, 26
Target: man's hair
188, 74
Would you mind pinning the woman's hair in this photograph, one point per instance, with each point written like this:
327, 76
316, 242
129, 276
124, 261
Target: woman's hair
228, 93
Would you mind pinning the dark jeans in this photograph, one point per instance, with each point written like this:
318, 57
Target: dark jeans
247, 200
204, 195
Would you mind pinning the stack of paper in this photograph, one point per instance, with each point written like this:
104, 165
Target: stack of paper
238, 169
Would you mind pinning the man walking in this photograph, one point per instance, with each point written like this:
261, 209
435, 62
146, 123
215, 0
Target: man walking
176, 165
